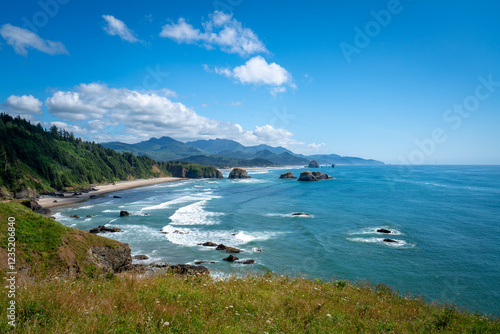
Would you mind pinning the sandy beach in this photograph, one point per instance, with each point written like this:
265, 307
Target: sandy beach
49, 201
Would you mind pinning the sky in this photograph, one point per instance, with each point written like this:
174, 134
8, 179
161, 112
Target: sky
404, 82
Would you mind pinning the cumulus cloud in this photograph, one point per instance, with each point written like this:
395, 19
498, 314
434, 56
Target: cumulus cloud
131, 116
315, 146
257, 71
22, 39
220, 30
115, 27
22, 105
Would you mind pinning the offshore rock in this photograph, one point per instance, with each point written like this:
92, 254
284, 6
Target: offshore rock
230, 258
287, 175
307, 176
239, 173
383, 230
124, 214
313, 164
104, 229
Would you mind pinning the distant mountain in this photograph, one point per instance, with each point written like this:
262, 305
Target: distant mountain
228, 153
214, 146
164, 148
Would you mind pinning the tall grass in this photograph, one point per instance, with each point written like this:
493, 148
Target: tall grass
269, 303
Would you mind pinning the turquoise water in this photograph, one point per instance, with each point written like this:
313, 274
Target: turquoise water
445, 219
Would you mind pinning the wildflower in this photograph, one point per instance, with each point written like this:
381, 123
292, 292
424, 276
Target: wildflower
329, 315
166, 323
268, 321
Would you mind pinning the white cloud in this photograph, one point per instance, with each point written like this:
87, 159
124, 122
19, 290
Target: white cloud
219, 30
131, 116
25, 104
315, 146
257, 71
70, 128
116, 27
22, 39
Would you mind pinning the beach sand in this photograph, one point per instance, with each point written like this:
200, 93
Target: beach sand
48, 201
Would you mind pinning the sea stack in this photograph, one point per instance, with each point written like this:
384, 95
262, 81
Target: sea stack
314, 176
313, 164
239, 173
287, 175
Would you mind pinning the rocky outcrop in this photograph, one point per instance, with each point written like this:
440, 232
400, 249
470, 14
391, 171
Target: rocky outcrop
35, 207
313, 164
115, 259
314, 176
228, 249
104, 229
250, 261
116, 196
141, 257
383, 230
26, 193
239, 173
287, 175
230, 258
89, 216
74, 216
124, 214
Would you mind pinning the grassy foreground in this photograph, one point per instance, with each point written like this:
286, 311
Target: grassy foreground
168, 303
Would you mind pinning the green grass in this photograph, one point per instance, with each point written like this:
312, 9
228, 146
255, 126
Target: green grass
269, 303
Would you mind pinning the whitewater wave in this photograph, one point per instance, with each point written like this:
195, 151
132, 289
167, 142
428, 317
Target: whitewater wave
398, 244
179, 200
288, 215
373, 230
195, 214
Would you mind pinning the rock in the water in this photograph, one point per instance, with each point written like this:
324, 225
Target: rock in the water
239, 173
116, 196
55, 201
230, 258
251, 261
91, 216
228, 249
287, 175
104, 229
383, 230
189, 269
314, 176
141, 257
390, 240
300, 214
321, 176
209, 244
124, 214
313, 164
307, 176
93, 196
74, 216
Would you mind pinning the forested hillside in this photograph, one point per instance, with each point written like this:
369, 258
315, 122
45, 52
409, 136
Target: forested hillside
35, 158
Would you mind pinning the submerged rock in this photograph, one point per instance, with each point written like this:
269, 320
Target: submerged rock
209, 244
300, 214
251, 261
124, 214
287, 175
390, 240
74, 216
383, 230
228, 249
239, 173
91, 216
141, 257
116, 196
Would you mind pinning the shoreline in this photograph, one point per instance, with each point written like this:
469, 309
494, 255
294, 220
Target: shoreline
47, 201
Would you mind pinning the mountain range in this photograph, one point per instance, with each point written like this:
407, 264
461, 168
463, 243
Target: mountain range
224, 153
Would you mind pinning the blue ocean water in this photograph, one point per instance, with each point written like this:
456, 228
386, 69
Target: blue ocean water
445, 219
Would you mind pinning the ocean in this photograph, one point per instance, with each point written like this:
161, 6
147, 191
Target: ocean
445, 220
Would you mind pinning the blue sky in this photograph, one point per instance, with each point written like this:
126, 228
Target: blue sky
414, 82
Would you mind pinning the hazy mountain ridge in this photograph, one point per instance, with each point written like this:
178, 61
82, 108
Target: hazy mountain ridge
228, 153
